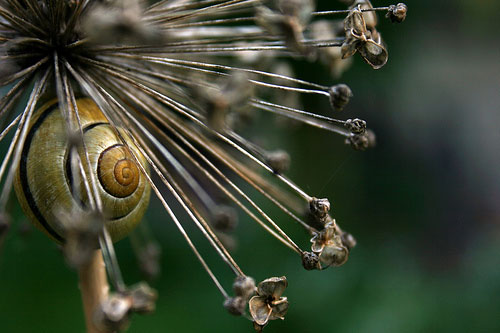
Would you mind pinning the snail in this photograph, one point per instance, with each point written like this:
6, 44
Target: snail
43, 181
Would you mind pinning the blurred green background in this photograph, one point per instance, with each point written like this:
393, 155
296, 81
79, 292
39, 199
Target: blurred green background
424, 205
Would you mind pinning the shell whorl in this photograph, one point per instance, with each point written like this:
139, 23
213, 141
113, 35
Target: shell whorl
117, 172
44, 180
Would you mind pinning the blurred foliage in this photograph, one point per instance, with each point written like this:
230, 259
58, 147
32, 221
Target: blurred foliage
422, 205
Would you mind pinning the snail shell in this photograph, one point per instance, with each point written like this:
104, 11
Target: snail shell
43, 183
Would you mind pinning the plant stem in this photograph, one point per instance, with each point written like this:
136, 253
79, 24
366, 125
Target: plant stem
93, 287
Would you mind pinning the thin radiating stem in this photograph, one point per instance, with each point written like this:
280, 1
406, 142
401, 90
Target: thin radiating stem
19, 137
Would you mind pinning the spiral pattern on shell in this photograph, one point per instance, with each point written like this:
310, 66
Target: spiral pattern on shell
44, 180
117, 173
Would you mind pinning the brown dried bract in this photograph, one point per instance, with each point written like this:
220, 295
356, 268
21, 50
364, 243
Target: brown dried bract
367, 41
319, 208
397, 13
328, 245
268, 303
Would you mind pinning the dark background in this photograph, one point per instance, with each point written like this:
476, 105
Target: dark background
423, 205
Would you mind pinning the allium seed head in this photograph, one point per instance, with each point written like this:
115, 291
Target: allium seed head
127, 97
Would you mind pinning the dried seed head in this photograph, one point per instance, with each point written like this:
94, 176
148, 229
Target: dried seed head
310, 261
244, 286
362, 141
328, 245
172, 79
274, 286
356, 126
340, 95
278, 160
374, 53
376, 36
397, 13
229, 95
288, 27
149, 260
358, 141
355, 25
143, 298
348, 240
301, 9
224, 218
113, 313
334, 255
238, 90
120, 22
319, 208
370, 17
268, 303
331, 56
235, 305
350, 47
215, 104
363, 37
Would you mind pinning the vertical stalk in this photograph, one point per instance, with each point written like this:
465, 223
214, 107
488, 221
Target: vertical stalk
93, 287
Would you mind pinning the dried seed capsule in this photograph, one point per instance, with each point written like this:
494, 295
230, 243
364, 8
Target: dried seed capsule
348, 240
355, 25
301, 9
148, 257
235, 305
340, 95
331, 56
113, 314
143, 298
278, 160
244, 286
356, 126
397, 13
333, 255
120, 22
286, 26
310, 260
319, 208
369, 16
224, 218
373, 52
361, 141
268, 304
